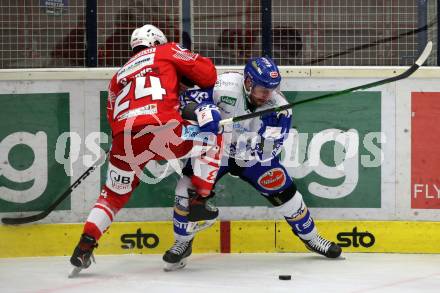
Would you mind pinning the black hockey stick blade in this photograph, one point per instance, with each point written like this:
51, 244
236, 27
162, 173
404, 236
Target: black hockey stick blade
39, 216
48, 210
24, 220
419, 62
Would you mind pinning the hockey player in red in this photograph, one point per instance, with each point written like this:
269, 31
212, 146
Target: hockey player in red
143, 114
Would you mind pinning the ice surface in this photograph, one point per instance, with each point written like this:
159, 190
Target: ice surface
211, 273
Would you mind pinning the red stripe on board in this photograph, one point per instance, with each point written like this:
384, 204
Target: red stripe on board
425, 155
225, 237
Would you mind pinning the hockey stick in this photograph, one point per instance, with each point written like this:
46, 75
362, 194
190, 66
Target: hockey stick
49, 209
422, 58
372, 44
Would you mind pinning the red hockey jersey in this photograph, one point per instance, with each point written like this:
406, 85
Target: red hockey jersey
145, 90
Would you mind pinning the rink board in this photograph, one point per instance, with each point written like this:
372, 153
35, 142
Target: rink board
233, 237
389, 176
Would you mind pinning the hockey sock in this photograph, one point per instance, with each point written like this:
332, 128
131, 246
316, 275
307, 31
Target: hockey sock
181, 209
103, 212
298, 217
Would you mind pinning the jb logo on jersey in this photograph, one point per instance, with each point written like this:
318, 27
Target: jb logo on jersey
119, 180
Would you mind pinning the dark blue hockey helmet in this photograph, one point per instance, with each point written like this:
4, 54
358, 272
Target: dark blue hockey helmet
263, 72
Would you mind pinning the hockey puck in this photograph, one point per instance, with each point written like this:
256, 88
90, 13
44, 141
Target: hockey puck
285, 277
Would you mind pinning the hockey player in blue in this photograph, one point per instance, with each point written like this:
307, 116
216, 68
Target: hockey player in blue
251, 152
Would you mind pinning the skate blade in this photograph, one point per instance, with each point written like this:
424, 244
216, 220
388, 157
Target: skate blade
74, 273
194, 227
169, 267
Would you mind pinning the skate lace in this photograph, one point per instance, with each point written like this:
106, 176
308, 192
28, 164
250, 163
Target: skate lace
319, 244
179, 247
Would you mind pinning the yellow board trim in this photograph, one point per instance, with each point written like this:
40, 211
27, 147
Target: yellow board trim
246, 237
61, 239
252, 236
389, 236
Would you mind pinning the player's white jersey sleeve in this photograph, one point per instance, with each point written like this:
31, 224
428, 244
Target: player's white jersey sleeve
241, 139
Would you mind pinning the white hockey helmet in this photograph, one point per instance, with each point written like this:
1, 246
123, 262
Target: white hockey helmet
147, 36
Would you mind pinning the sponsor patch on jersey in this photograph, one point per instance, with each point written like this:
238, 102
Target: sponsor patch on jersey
273, 74
228, 100
149, 109
272, 179
119, 180
226, 83
135, 65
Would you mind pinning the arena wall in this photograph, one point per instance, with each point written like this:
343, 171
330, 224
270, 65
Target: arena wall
365, 162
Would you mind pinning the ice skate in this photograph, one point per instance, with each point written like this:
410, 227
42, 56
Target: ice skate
176, 257
82, 256
322, 246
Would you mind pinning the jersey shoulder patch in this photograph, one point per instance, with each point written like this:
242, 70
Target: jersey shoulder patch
181, 53
230, 81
